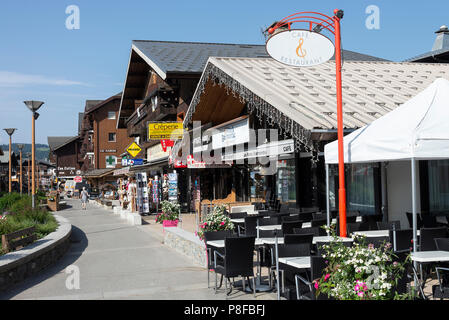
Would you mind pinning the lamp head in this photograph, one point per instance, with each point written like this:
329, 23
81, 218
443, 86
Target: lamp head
20, 147
339, 13
318, 28
33, 105
36, 115
10, 131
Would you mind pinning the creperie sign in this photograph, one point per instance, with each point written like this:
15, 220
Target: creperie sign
165, 130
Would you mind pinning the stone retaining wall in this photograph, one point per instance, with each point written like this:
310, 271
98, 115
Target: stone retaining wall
186, 243
18, 265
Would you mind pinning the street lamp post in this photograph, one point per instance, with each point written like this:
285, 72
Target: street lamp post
20, 146
28, 169
33, 106
317, 22
10, 132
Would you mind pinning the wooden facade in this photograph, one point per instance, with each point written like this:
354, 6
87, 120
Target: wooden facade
102, 140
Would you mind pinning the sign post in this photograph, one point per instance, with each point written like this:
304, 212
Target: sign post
303, 48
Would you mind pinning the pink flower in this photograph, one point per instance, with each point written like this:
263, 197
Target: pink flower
222, 223
326, 277
316, 285
357, 288
360, 294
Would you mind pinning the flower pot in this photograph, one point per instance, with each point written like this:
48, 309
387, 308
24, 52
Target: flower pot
170, 223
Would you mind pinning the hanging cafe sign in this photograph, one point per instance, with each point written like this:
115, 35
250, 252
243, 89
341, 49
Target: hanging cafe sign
300, 48
304, 48
165, 130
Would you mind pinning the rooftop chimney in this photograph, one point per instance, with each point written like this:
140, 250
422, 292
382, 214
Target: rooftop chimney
442, 40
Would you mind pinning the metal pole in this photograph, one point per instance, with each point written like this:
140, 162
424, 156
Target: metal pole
414, 205
415, 238
28, 176
21, 175
10, 167
328, 209
33, 182
341, 165
277, 268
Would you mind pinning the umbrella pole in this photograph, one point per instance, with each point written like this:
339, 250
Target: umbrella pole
327, 196
415, 238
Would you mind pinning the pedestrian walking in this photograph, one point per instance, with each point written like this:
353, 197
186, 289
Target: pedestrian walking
84, 198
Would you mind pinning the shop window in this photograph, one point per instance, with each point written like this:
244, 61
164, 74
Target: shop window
438, 179
257, 184
361, 188
286, 181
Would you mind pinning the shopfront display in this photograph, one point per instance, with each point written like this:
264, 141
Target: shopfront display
142, 194
155, 192
173, 187
132, 195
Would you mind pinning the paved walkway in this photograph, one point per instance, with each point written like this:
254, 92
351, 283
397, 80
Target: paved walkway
119, 261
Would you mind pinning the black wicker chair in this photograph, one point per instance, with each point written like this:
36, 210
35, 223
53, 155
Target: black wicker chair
287, 227
285, 271
316, 231
210, 236
390, 225
249, 228
427, 238
401, 240
299, 238
237, 261
319, 223
305, 290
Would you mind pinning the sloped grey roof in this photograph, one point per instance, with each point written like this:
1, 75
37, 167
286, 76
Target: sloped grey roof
308, 95
90, 104
191, 57
431, 55
55, 142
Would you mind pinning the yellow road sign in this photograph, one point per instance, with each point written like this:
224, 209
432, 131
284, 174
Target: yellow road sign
165, 130
134, 149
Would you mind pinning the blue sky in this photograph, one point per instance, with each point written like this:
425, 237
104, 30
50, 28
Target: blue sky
40, 59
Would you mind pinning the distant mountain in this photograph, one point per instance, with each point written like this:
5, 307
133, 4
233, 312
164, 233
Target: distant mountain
42, 150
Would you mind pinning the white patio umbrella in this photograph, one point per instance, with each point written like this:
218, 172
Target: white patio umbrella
416, 130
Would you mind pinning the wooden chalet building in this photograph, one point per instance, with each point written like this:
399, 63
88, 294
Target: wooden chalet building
161, 79
64, 151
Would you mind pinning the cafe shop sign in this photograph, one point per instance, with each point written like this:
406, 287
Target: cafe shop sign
300, 48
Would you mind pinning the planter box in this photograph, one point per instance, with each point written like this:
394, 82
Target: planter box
170, 223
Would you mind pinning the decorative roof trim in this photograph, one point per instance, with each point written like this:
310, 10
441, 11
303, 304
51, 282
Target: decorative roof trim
256, 104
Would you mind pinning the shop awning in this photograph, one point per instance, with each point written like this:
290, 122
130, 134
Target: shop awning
121, 172
98, 173
416, 130
149, 165
300, 100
